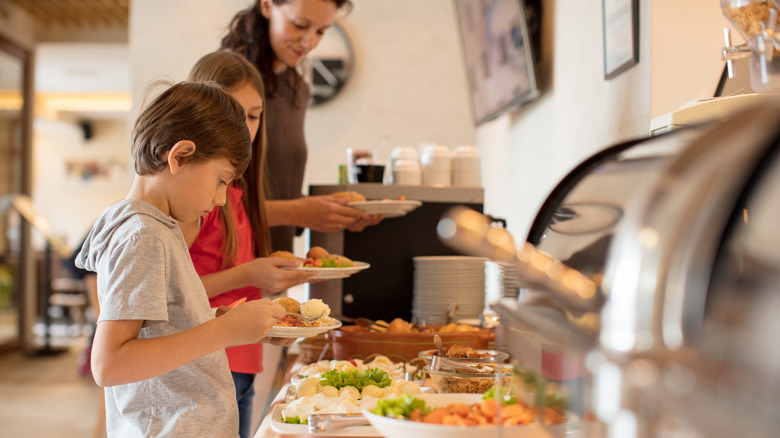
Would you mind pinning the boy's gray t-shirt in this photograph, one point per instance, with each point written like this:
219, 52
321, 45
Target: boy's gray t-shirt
145, 273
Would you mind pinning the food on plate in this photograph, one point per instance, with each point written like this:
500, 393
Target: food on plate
400, 198
284, 255
316, 252
329, 261
484, 413
313, 308
345, 387
289, 304
317, 257
394, 369
399, 325
294, 316
352, 196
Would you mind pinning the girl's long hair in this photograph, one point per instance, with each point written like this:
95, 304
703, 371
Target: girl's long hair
231, 71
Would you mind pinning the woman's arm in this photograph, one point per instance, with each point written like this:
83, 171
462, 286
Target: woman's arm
319, 213
119, 357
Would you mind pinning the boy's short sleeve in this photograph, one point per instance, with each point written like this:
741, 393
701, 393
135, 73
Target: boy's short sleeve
136, 287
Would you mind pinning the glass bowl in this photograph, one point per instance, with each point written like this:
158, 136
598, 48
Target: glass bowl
489, 356
446, 381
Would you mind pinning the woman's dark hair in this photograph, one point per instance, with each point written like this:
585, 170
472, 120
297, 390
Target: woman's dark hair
248, 35
203, 113
232, 71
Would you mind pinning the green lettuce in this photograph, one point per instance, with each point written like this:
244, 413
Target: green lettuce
296, 420
401, 406
358, 379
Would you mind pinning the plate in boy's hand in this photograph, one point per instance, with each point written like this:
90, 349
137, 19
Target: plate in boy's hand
387, 207
330, 273
279, 331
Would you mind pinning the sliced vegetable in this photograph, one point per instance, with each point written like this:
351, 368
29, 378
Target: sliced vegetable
402, 406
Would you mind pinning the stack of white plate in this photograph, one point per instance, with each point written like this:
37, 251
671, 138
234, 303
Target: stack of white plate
443, 280
501, 281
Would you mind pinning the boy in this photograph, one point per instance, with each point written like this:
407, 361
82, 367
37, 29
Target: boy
158, 349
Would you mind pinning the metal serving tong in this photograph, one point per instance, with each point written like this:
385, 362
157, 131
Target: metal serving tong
319, 423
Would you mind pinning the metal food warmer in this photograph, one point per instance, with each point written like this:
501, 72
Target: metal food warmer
653, 268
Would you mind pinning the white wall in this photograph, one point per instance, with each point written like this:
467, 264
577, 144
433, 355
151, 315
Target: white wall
70, 203
686, 56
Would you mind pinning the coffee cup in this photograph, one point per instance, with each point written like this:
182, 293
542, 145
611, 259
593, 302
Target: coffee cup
369, 173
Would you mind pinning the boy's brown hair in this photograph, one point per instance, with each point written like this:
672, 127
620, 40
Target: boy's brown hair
203, 113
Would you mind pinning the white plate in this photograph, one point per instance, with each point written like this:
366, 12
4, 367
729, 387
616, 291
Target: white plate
390, 208
332, 272
392, 428
278, 331
303, 429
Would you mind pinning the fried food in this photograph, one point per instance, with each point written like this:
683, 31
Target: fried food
352, 196
284, 255
289, 304
398, 325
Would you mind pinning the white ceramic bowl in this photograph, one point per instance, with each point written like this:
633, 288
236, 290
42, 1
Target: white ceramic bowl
393, 428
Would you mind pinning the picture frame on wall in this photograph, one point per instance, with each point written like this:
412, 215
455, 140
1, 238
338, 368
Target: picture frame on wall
498, 55
621, 36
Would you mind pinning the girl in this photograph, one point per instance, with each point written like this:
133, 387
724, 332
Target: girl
230, 246
158, 349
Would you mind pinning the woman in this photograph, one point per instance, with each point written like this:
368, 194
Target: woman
275, 35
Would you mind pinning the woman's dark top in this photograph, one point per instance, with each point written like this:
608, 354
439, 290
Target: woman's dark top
286, 154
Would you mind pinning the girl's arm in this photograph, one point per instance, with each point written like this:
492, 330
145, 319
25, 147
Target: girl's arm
119, 357
264, 273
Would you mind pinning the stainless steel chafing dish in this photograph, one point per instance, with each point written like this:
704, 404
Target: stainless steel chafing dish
679, 238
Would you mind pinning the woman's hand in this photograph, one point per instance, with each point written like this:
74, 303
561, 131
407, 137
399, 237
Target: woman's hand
362, 223
267, 274
319, 213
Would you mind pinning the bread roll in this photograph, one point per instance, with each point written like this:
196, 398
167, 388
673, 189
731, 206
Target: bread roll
289, 304
352, 196
283, 255
316, 252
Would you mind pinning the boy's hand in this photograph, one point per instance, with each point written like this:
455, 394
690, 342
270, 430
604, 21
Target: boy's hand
250, 322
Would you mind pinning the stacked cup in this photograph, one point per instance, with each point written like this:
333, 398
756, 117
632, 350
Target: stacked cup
466, 167
403, 167
436, 162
